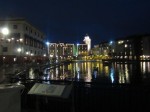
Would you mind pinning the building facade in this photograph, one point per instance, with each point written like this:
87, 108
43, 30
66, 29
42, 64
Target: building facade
67, 51
23, 43
132, 48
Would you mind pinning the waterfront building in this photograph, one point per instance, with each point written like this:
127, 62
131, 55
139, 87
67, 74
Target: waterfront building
23, 43
104, 48
82, 51
52, 50
96, 50
67, 51
61, 51
131, 47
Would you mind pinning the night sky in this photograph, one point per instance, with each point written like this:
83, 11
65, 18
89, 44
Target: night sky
71, 20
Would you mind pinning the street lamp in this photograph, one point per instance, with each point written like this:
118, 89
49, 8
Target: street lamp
5, 31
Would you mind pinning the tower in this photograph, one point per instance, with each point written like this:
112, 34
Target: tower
87, 41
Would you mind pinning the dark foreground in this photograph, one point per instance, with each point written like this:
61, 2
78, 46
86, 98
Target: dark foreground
90, 97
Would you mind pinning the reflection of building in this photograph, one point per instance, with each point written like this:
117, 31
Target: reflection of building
23, 36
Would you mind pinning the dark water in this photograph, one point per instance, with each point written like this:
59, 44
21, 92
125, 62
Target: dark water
95, 98
117, 73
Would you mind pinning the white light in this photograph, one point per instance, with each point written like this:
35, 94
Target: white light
15, 59
51, 55
87, 41
19, 49
21, 39
110, 42
32, 54
8, 40
47, 43
5, 31
27, 53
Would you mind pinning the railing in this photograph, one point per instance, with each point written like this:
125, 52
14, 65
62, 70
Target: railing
89, 96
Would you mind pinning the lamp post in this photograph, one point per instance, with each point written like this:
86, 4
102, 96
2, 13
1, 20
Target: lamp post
4, 32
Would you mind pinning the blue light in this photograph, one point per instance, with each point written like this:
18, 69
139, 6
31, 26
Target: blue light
112, 75
110, 42
47, 43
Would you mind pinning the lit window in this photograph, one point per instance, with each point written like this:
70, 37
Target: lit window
120, 42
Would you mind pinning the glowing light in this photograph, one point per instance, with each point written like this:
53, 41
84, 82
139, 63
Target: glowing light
15, 59
47, 43
8, 40
120, 42
21, 39
19, 49
27, 53
112, 75
87, 41
5, 31
125, 45
44, 55
111, 42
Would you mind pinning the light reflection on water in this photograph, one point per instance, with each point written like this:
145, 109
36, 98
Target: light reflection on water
119, 73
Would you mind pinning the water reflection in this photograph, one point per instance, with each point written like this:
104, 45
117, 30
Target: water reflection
145, 69
119, 73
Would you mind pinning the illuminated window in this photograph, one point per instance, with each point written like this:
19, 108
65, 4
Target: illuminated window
120, 42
